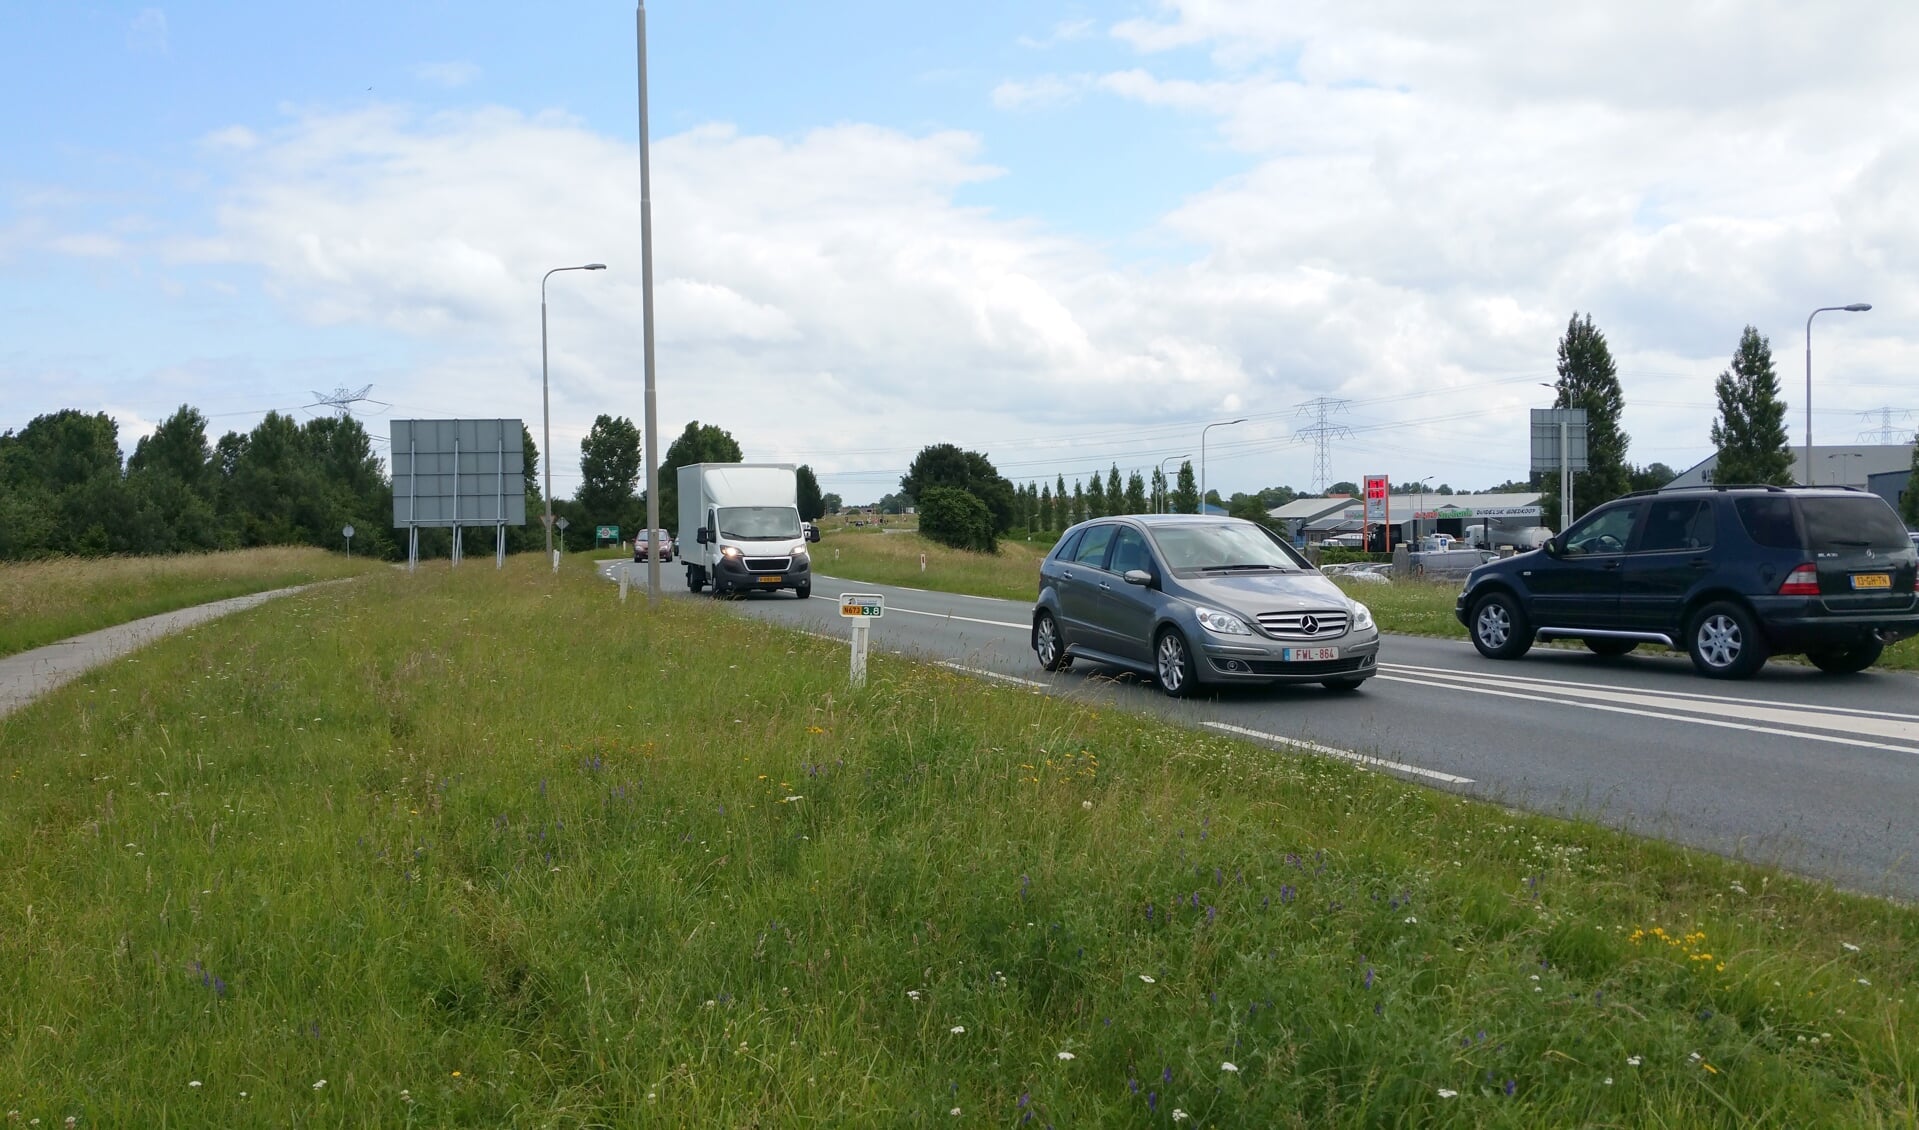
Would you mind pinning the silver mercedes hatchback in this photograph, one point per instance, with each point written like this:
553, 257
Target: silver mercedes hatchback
1190, 600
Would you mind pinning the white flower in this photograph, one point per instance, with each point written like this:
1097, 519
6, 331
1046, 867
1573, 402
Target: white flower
791, 799
1066, 1055
958, 1029
1849, 947
1448, 1094
912, 994
1863, 981
1228, 1067
1179, 1115
1608, 1080
954, 1112
1693, 1056
194, 1083
1146, 979
1086, 804
1412, 920
319, 1084
1632, 1061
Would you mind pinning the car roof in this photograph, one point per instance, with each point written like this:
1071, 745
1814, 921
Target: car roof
1752, 488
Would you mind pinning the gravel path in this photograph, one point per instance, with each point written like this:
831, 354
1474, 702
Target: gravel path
30, 674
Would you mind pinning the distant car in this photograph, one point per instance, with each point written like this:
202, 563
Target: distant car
1728, 574
1192, 599
642, 544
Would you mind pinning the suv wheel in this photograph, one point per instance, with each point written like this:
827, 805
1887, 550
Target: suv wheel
1725, 642
1500, 629
1847, 660
1048, 645
1607, 646
1173, 664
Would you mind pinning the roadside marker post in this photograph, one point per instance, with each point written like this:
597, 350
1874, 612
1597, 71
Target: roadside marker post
861, 607
624, 567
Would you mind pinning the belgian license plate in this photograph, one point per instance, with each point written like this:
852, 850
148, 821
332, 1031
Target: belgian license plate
1872, 580
1307, 654
771, 580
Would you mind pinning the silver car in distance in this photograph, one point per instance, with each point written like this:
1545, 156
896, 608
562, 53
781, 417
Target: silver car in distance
1190, 600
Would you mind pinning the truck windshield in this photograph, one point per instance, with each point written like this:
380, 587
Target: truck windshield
759, 523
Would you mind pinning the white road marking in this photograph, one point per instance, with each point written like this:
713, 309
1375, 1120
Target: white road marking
1343, 754
943, 615
1663, 715
1455, 672
984, 673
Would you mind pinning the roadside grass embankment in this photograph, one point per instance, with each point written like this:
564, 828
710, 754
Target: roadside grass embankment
42, 602
472, 847
869, 554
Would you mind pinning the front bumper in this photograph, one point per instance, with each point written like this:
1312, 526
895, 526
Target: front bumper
732, 573
1258, 660
1803, 623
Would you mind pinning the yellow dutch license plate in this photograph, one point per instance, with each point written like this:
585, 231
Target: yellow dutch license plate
770, 580
1872, 580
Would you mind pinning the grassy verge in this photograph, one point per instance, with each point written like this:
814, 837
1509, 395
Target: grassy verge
429, 853
894, 559
45, 601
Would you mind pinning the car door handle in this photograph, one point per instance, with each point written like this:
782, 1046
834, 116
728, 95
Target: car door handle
1700, 563
1104, 587
1612, 564
1068, 574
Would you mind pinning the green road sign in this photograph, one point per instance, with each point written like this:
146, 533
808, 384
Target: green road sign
607, 533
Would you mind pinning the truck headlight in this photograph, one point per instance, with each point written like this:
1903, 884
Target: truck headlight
1221, 623
798, 552
1362, 617
731, 552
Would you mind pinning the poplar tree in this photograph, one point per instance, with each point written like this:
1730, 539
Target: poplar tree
1096, 498
1588, 379
1135, 494
1186, 494
1750, 432
1079, 504
1115, 494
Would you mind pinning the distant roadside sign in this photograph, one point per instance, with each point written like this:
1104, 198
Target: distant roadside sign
862, 604
607, 533
1377, 489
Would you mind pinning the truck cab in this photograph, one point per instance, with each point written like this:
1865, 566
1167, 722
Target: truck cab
747, 531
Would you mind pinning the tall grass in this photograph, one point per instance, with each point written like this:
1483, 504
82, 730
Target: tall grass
894, 559
479, 848
45, 601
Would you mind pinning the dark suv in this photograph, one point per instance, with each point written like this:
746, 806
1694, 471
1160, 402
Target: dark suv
1730, 575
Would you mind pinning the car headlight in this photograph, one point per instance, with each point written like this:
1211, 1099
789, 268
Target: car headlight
730, 551
1221, 623
1362, 617
798, 552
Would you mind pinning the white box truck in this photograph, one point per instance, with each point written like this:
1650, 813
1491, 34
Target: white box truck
740, 529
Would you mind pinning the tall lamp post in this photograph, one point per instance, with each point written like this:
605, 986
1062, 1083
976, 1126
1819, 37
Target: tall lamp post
1422, 505
546, 416
1165, 491
1202, 456
1854, 308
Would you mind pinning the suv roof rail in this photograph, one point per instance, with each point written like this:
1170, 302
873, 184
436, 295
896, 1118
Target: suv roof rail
1716, 486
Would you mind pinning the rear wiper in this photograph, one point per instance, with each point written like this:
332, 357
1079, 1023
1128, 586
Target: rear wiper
1846, 541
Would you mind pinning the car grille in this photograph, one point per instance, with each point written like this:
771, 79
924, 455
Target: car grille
1325, 667
767, 564
1310, 625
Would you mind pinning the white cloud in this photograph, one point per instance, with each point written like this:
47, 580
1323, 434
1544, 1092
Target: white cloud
231, 137
147, 32
1044, 91
448, 75
87, 245
1066, 31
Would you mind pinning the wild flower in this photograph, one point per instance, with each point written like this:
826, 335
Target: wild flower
1228, 1067
958, 1029
1446, 1093
1144, 977
1632, 1061
193, 1083
319, 1084
955, 1112
1847, 946
912, 994
1511, 1086
1066, 1055
1179, 1115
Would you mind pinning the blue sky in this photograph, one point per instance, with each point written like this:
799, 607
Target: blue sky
1065, 234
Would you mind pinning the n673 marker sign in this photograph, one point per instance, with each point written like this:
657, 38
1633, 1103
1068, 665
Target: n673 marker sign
862, 604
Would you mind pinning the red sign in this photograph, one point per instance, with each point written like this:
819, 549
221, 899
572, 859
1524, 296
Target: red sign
1377, 488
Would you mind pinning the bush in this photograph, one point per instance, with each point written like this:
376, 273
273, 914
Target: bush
957, 518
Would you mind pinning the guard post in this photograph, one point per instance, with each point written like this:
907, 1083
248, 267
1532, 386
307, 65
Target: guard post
861, 607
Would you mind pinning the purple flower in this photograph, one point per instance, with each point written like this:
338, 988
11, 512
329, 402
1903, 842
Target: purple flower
1166, 1074
1149, 912
1369, 976
1209, 915
1132, 1085
1152, 1100
1511, 1086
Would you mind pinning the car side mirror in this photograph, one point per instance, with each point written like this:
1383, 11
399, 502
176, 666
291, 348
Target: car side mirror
1137, 577
1554, 547
812, 532
702, 536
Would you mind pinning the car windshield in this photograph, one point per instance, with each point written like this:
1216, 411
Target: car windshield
658, 535
759, 523
1865, 522
1224, 548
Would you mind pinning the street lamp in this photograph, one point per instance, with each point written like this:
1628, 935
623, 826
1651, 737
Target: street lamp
1202, 456
1422, 505
1855, 308
546, 418
1166, 492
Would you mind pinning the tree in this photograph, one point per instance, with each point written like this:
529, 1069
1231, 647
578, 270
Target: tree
1115, 492
832, 503
1079, 505
1135, 494
1588, 379
1046, 509
1349, 489
812, 503
609, 468
943, 464
1158, 490
1909, 501
956, 517
698, 443
1096, 498
1249, 507
178, 447
1652, 476
1186, 494
1750, 432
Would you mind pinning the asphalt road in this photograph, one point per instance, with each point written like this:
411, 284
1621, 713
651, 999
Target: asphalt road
1813, 773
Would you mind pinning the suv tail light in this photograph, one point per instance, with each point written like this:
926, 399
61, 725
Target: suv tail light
1803, 581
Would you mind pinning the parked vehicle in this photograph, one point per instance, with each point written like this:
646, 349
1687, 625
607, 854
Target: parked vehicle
1730, 575
1192, 599
642, 545
746, 527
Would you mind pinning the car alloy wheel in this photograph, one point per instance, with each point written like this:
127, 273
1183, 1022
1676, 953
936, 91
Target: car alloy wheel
1726, 643
1500, 629
1047, 644
1173, 665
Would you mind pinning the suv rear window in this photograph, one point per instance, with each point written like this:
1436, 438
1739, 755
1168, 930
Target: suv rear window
1866, 521
1768, 521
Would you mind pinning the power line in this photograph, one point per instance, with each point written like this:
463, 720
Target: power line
1886, 433
1322, 433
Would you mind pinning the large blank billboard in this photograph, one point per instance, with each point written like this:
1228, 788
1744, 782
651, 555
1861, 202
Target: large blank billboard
458, 473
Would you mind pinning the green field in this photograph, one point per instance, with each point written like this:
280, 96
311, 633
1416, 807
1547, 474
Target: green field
490, 848
45, 601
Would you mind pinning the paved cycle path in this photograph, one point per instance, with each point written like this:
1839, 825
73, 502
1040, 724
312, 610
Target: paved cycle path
30, 674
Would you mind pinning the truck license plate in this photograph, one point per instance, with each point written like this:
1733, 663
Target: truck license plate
1307, 654
1872, 580
770, 580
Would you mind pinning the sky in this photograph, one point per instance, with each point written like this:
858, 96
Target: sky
1065, 234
